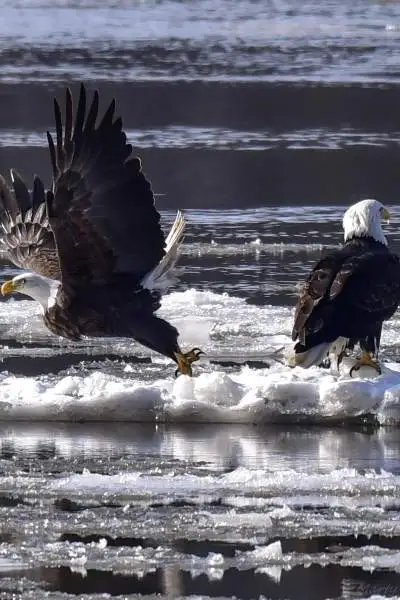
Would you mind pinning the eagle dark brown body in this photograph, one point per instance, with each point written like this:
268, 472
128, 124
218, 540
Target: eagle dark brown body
97, 232
349, 294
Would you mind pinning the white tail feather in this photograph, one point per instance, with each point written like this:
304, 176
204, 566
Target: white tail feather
313, 356
165, 274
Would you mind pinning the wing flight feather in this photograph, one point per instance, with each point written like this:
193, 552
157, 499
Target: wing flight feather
25, 233
101, 208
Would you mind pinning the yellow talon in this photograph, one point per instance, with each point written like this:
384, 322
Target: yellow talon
366, 361
185, 360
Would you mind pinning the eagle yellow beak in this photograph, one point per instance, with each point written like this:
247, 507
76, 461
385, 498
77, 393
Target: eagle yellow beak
385, 215
8, 287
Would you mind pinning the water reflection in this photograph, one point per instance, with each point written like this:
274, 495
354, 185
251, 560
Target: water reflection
311, 583
219, 447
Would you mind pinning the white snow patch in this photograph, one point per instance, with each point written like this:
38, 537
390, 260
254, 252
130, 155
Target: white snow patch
223, 326
247, 396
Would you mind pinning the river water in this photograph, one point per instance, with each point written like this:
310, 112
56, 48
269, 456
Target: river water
262, 120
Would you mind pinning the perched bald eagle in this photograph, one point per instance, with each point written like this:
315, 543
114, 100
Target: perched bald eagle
349, 293
95, 253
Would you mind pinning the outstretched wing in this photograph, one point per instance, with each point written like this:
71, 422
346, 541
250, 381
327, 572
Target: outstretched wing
314, 289
101, 208
25, 233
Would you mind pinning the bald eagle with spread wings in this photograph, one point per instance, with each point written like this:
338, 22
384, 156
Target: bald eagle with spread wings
95, 254
349, 293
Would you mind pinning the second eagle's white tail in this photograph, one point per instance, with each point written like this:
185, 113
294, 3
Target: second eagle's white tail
165, 274
308, 358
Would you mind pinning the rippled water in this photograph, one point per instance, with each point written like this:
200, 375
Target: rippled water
209, 512
199, 509
277, 103
275, 41
262, 121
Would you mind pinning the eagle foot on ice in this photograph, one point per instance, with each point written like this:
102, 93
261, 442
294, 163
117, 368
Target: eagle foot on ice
366, 361
185, 360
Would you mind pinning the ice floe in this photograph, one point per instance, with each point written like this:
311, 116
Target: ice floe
228, 329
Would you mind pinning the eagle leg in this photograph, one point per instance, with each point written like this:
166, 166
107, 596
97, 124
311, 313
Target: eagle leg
185, 360
340, 357
366, 361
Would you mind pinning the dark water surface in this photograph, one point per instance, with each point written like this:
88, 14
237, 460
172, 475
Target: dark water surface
263, 120
230, 104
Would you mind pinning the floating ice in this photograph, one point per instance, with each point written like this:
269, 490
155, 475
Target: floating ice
347, 482
263, 554
8, 565
227, 328
247, 396
262, 557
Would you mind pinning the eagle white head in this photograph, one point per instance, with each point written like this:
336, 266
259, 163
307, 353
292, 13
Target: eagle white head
42, 289
364, 219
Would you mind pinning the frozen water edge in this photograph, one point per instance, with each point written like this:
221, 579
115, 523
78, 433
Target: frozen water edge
268, 559
347, 485
250, 396
222, 325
